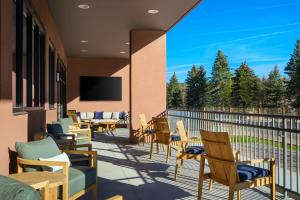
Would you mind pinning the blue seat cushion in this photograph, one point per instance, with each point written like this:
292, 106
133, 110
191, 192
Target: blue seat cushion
195, 150
98, 115
175, 137
84, 162
248, 172
122, 115
149, 131
55, 129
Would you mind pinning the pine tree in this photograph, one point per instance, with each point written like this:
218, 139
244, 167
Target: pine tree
275, 89
220, 86
244, 88
293, 83
196, 84
174, 93
261, 95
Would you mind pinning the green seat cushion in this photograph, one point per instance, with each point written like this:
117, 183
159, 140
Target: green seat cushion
81, 177
45, 148
66, 123
11, 189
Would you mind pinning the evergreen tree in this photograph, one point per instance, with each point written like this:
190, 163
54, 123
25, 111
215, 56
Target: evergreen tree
196, 84
244, 88
275, 88
261, 95
174, 93
220, 86
293, 71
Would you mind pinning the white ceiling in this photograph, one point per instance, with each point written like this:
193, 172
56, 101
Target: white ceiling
106, 24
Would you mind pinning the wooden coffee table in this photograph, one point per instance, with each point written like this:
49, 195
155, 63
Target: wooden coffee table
35, 179
109, 127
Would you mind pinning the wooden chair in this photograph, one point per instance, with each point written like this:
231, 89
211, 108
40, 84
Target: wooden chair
47, 147
145, 130
184, 151
162, 135
226, 170
77, 123
117, 197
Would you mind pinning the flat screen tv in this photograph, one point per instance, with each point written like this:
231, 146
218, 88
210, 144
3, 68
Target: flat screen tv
94, 88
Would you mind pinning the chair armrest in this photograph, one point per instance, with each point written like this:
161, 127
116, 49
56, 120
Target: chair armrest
117, 197
75, 146
237, 155
93, 155
21, 162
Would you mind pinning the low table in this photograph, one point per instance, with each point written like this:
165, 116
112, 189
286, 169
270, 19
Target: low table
109, 127
34, 179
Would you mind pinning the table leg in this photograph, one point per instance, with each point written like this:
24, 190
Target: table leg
53, 193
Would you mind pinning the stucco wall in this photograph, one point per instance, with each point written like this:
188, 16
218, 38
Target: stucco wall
148, 74
17, 127
113, 67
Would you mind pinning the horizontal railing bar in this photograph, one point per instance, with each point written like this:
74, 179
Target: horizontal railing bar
240, 124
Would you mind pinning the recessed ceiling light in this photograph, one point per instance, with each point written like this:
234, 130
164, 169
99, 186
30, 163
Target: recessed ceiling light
84, 50
83, 6
127, 43
153, 11
84, 41
122, 52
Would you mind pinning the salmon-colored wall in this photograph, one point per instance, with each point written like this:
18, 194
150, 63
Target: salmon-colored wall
97, 67
18, 127
148, 74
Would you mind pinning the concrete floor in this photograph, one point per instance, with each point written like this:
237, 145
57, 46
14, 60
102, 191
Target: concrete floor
126, 169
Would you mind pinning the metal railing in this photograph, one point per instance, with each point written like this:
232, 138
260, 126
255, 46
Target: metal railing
255, 135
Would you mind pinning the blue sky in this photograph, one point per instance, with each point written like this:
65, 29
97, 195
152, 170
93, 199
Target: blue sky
262, 32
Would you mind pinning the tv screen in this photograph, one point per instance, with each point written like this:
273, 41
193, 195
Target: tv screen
100, 88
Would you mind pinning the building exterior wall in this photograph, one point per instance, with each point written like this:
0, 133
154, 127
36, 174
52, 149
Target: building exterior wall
18, 126
148, 75
114, 67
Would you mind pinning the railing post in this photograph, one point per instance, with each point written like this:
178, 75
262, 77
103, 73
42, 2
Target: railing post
284, 157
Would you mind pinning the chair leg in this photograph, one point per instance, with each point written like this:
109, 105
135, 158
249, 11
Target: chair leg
168, 152
151, 149
95, 193
176, 169
181, 164
157, 148
239, 195
231, 193
273, 190
201, 174
210, 184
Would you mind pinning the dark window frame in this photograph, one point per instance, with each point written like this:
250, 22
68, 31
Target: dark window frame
19, 53
36, 53
29, 38
51, 78
42, 86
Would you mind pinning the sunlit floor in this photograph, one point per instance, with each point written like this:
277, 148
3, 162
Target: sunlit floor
126, 170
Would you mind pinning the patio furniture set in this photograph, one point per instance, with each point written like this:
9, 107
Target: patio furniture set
213, 148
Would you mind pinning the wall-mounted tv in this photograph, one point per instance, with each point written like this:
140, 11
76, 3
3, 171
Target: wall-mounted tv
94, 88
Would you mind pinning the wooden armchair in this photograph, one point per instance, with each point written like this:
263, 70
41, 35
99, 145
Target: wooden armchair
77, 123
145, 129
184, 150
78, 179
162, 135
226, 170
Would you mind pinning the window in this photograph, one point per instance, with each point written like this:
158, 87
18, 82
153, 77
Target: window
29, 61
51, 77
42, 69
19, 54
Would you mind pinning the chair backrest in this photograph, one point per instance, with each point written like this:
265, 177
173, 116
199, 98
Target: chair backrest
73, 115
143, 121
181, 130
219, 155
162, 130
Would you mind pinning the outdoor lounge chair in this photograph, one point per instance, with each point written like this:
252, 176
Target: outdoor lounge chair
184, 151
145, 130
162, 135
226, 170
79, 179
